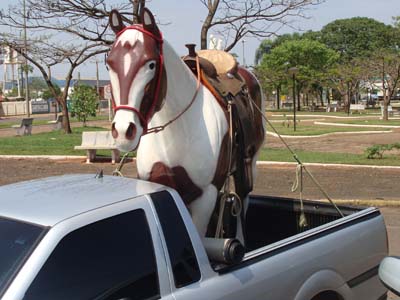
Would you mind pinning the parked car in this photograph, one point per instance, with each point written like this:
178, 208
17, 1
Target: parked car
87, 237
389, 272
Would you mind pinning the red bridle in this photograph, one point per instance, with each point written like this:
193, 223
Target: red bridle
144, 119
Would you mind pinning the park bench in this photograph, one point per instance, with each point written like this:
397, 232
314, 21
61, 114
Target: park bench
391, 112
357, 108
57, 124
25, 127
98, 140
332, 107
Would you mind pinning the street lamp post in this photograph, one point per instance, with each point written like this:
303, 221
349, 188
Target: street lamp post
26, 65
293, 71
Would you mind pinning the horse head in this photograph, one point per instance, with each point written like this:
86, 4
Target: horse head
137, 77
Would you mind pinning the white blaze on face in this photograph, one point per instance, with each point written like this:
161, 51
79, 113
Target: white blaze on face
127, 123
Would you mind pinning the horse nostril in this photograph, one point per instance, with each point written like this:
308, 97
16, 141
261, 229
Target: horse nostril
131, 131
114, 131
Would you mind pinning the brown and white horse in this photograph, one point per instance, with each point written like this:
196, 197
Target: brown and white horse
152, 87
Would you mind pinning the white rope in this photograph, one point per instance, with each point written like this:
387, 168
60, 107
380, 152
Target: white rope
296, 184
117, 171
298, 161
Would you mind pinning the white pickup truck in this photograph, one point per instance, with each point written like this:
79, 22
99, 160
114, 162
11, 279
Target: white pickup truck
77, 237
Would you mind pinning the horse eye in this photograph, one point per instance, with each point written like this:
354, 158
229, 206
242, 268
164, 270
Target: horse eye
152, 66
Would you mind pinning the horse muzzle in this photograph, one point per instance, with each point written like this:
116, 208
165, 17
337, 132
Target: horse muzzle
127, 135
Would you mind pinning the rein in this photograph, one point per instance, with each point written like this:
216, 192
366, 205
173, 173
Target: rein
145, 119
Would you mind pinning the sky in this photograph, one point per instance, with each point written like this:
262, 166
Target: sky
185, 19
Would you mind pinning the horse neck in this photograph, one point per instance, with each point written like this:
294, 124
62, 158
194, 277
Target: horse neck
181, 84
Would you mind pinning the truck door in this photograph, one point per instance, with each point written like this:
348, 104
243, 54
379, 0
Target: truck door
111, 259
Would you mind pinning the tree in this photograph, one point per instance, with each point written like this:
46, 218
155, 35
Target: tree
396, 22
235, 19
312, 59
345, 77
384, 67
357, 37
84, 103
82, 23
267, 45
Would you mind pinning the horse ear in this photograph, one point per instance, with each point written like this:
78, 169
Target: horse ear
116, 21
149, 23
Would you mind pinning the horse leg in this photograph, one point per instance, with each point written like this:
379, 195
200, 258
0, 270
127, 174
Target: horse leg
202, 208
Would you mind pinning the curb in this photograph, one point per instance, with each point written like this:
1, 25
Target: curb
259, 163
333, 117
269, 163
355, 125
325, 134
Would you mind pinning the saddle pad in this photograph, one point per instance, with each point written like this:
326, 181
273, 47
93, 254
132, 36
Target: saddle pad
223, 61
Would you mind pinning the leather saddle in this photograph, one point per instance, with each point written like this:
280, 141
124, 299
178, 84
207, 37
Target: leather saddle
219, 72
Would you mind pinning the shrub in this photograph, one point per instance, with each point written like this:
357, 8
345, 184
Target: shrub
84, 103
376, 151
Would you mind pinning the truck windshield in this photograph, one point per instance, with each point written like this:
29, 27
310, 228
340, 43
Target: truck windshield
17, 239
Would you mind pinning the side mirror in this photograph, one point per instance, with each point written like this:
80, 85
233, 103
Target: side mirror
389, 273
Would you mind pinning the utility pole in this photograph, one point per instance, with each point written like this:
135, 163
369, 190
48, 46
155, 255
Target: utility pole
26, 65
243, 59
97, 84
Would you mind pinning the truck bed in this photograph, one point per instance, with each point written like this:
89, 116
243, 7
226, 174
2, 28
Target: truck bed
271, 219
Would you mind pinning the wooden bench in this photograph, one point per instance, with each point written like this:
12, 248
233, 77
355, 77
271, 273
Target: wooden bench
357, 108
57, 124
98, 140
25, 128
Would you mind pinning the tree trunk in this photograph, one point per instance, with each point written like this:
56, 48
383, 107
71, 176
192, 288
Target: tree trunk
347, 103
138, 5
212, 9
63, 102
386, 102
321, 95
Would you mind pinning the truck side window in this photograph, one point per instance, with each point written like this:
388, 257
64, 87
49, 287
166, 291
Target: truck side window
109, 260
181, 253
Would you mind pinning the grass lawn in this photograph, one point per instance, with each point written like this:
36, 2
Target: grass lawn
48, 143
283, 155
58, 143
310, 130
44, 122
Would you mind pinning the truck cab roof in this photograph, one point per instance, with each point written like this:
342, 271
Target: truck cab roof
50, 200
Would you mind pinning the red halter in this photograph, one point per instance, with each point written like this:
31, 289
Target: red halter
144, 120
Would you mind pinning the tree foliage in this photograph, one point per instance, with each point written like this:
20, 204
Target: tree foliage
311, 58
84, 103
47, 94
357, 37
